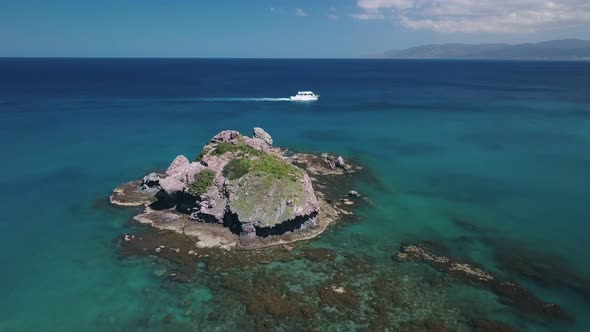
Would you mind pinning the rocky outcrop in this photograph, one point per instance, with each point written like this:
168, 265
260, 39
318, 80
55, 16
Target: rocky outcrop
179, 174
241, 183
324, 164
260, 134
177, 164
334, 162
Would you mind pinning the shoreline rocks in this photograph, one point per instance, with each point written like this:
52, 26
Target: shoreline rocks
240, 192
131, 194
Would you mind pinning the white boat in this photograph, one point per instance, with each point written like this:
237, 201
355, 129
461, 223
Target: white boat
304, 96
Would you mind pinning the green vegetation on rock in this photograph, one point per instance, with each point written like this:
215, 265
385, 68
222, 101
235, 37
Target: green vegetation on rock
203, 180
263, 164
271, 165
201, 155
258, 162
236, 168
241, 147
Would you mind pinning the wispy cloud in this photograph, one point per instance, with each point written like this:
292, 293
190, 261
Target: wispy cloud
332, 13
300, 12
368, 16
470, 16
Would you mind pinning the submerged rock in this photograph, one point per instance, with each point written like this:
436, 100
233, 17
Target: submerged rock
547, 269
242, 184
510, 293
354, 193
160, 270
485, 325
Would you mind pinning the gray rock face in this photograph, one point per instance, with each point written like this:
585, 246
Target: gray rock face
261, 134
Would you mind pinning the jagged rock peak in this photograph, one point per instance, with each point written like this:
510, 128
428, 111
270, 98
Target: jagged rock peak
261, 134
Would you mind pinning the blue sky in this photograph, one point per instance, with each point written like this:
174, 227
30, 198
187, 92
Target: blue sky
275, 28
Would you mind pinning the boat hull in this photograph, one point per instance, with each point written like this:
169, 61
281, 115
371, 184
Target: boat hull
306, 98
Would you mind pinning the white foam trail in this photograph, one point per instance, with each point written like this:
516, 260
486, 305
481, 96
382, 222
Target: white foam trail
239, 99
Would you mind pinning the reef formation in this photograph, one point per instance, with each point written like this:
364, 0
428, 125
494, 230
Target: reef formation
244, 193
509, 292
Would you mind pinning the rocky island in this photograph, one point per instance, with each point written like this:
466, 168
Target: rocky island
240, 192
208, 216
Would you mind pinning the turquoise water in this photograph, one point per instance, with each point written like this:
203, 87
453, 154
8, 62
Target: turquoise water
503, 145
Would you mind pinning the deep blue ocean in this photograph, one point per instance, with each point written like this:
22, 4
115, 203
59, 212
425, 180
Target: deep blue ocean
503, 145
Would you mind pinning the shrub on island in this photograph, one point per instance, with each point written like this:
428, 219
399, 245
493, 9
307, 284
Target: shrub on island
203, 180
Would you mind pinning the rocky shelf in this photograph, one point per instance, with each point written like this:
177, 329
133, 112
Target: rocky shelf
241, 192
508, 292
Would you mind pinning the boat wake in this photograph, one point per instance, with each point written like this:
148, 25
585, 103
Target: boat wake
239, 99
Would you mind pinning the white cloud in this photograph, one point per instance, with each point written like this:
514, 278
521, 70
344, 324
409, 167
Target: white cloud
300, 12
478, 15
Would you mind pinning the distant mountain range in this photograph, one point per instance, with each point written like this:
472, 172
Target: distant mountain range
563, 49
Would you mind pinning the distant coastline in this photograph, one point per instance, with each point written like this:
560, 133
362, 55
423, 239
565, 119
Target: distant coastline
563, 49
220, 59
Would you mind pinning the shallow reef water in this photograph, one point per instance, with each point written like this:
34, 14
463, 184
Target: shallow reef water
484, 162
